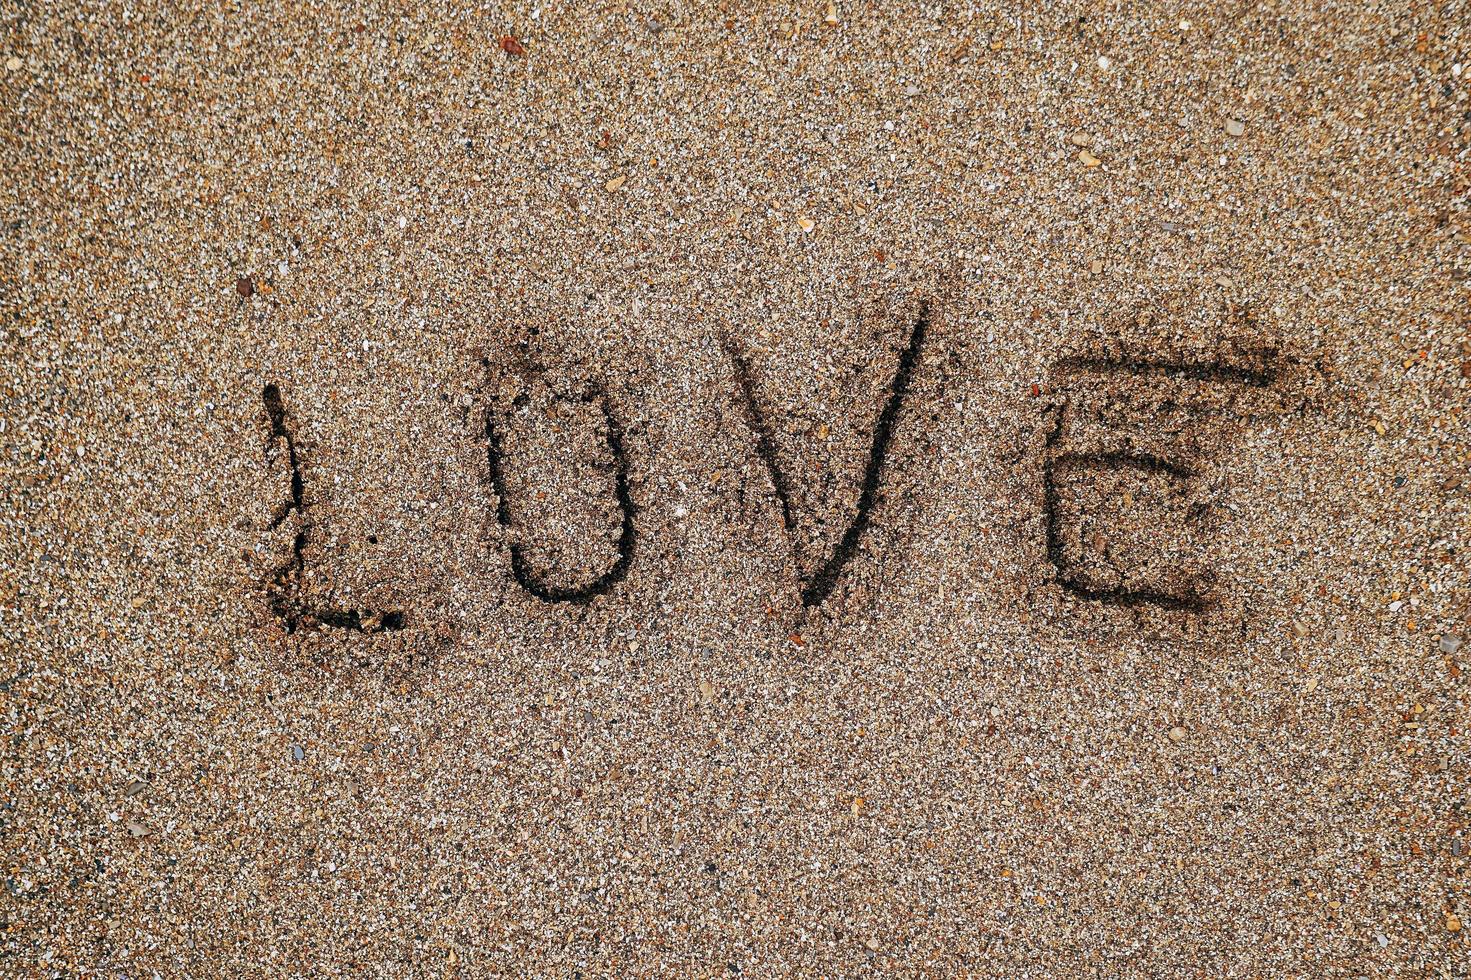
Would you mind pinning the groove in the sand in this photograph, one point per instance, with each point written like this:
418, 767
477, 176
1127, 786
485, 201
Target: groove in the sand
285, 584
1212, 371
1187, 600
822, 582
521, 569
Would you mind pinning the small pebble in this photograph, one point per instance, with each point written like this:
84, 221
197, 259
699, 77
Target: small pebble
615, 183
1450, 643
245, 287
135, 787
1177, 734
1235, 127
14, 63
298, 753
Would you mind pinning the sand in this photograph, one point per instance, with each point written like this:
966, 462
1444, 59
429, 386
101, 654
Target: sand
737, 490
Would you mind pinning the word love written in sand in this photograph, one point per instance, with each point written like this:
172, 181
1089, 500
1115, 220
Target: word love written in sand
1122, 511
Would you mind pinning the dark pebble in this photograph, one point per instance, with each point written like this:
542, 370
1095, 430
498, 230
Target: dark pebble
245, 287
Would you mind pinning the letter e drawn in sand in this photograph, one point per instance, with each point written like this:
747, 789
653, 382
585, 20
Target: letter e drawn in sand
1098, 465
820, 584
286, 583
536, 582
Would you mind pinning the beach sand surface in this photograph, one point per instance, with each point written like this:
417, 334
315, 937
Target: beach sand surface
735, 489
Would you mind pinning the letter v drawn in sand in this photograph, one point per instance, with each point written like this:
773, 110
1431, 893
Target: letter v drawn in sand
820, 583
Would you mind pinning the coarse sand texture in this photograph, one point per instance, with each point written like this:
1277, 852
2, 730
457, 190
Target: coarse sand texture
691, 490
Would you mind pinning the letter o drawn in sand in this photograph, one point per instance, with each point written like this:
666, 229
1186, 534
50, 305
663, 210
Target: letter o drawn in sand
533, 580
